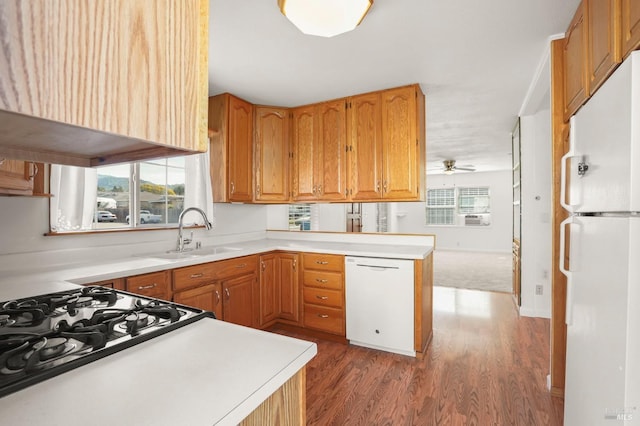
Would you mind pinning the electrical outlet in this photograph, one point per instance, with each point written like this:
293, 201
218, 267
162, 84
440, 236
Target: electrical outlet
539, 290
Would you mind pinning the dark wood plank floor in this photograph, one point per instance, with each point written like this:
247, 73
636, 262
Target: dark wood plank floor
485, 366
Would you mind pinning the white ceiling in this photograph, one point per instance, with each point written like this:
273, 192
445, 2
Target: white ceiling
473, 59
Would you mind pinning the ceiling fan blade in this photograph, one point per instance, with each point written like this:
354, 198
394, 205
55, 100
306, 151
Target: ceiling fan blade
466, 169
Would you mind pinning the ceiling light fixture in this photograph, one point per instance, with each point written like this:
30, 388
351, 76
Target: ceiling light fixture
325, 18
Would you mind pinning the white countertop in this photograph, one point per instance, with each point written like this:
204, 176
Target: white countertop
94, 270
208, 372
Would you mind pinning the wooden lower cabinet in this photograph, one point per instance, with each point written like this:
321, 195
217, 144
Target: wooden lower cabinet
279, 289
207, 297
323, 293
237, 300
116, 284
286, 406
156, 284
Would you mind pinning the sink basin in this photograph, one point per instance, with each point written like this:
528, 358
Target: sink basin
188, 254
205, 251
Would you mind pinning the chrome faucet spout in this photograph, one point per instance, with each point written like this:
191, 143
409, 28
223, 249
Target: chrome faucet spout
184, 241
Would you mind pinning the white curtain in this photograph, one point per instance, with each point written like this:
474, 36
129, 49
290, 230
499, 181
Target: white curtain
197, 188
73, 198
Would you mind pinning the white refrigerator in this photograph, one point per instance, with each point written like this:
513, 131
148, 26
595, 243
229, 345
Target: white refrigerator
600, 187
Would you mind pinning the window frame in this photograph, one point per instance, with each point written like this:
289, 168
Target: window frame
458, 211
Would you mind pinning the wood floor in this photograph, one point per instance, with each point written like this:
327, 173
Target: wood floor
485, 366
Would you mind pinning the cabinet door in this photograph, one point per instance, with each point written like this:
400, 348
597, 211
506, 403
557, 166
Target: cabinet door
269, 288
603, 48
240, 150
140, 74
401, 145
305, 151
272, 154
238, 300
16, 177
331, 171
630, 26
207, 297
289, 286
575, 76
365, 147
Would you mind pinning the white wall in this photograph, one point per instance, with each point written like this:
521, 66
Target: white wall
497, 237
25, 220
536, 241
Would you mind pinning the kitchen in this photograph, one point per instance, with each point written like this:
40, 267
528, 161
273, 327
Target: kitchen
29, 217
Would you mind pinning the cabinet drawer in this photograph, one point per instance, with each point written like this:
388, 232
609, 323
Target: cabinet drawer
234, 267
331, 280
324, 297
193, 276
324, 318
151, 285
323, 262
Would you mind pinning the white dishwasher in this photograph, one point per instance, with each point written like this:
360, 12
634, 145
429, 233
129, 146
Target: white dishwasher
380, 303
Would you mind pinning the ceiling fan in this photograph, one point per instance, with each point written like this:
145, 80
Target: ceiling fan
450, 167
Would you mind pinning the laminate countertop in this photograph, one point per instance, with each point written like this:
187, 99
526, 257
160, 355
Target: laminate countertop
205, 373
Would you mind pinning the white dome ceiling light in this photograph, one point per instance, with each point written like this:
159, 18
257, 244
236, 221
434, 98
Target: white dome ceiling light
325, 18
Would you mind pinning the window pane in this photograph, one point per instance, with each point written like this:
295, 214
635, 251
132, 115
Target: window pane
440, 216
441, 197
473, 200
161, 193
113, 196
299, 217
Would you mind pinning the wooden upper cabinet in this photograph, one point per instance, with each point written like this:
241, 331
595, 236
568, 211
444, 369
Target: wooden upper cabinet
574, 54
387, 145
603, 40
16, 177
365, 138
97, 82
305, 150
231, 151
272, 154
331, 172
630, 26
403, 133
319, 152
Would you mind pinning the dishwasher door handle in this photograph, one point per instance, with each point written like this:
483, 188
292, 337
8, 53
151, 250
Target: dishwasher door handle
376, 267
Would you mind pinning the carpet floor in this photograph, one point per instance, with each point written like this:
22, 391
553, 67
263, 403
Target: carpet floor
473, 270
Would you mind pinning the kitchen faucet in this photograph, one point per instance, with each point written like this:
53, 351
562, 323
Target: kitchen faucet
184, 241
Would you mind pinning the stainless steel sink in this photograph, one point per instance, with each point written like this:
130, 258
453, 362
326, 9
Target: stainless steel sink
188, 254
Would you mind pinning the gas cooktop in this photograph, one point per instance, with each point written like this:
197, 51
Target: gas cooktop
43, 336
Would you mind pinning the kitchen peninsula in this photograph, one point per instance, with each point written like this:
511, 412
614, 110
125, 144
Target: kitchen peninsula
206, 372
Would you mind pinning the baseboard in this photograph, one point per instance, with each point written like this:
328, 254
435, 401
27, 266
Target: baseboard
533, 313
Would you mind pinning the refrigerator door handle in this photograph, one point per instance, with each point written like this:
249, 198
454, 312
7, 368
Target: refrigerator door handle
563, 167
566, 271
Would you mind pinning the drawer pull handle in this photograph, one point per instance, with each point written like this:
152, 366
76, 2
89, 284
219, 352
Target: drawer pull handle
323, 315
226, 291
217, 298
322, 297
197, 275
322, 262
147, 287
242, 265
322, 280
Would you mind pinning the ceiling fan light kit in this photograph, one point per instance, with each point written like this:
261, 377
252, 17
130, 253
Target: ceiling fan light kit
450, 167
325, 18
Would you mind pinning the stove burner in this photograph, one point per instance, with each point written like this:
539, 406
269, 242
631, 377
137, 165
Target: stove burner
136, 321
5, 320
54, 347
43, 336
